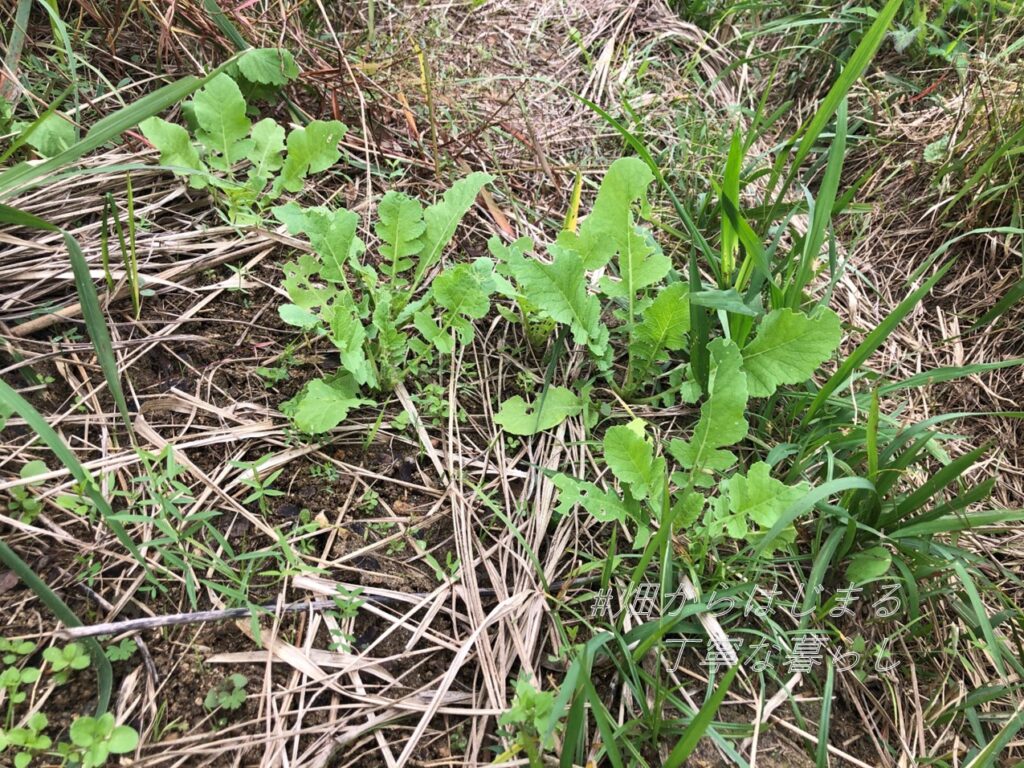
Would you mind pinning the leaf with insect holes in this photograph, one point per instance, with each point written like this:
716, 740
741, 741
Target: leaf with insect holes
755, 498
223, 126
399, 226
298, 282
610, 229
323, 404
788, 348
267, 151
176, 148
603, 506
559, 291
268, 66
442, 218
298, 316
549, 409
629, 454
722, 421
310, 150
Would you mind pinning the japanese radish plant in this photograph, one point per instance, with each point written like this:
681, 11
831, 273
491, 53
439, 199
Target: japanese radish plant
250, 165
384, 327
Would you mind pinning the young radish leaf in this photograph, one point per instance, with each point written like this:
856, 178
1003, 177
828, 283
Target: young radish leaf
722, 421
788, 348
552, 407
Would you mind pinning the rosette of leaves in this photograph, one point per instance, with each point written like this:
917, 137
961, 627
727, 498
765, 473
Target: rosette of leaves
372, 309
611, 288
250, 164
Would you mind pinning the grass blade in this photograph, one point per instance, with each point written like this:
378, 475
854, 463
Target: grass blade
685, 746
873, 341
60, 609
89, 300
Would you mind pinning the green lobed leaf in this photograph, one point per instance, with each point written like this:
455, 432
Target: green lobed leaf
666, 320
551, 408
722, 421
609, 228
760, 498
603, 506
630, 456
641, 264
323, 405
559, 291
462, 290
312, 149
176, 148
331, 233
442, 218
399, 226
268, 66
788, 348
266, 153
223, 125
348, 335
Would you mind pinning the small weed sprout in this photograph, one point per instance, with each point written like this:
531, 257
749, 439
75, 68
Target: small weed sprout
63, 661
94, 739
228, 694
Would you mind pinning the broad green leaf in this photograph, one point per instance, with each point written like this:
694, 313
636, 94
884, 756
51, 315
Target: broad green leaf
443, 217
603, 506
641, 264
666, 320
331, 233
559, 291
609, 228
432, 332
298, 282
298, 316
176, 148
868, 565
399, 226
53, 134
268, 66
266, 151
312, 149
760, 498
788, 348
460, 290
630, 456
348, 335
223, 126
550, 409
323, 405
722, 421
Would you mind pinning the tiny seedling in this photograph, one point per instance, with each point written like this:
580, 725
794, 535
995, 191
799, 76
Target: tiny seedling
227, 694
63, 661
122, 651
260, 486
526, 723
22, 502
27, 741
94, 739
